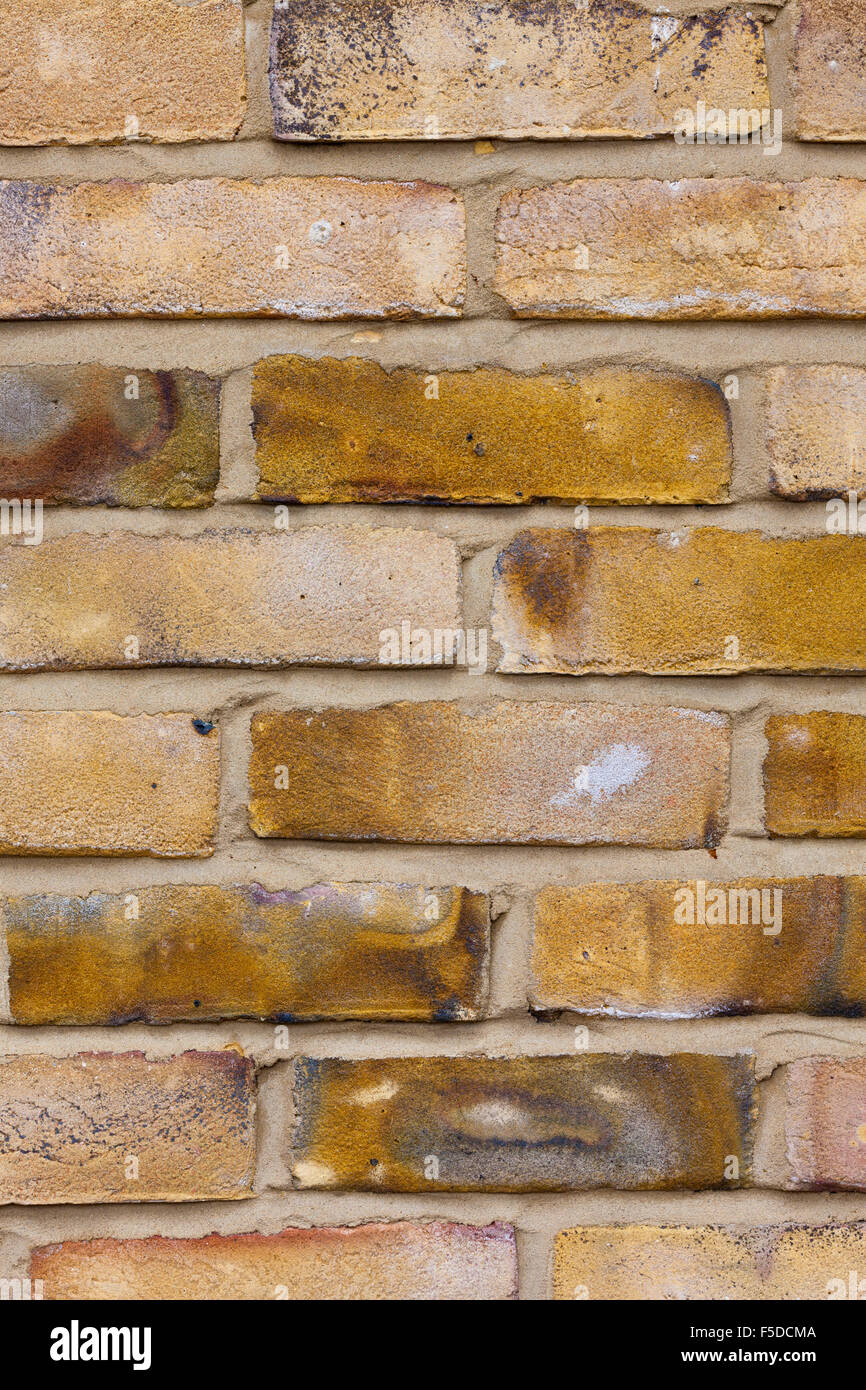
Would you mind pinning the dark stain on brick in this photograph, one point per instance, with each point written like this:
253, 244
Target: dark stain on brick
108, 435
548, 570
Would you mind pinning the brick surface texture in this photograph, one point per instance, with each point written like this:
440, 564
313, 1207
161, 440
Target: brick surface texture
432, 656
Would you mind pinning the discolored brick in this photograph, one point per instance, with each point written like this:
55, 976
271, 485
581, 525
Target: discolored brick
175, 952
92, 71
109, 435
92, 782
814, 781
620, 599
506, 772
815, 419
315, 595
331, 430
544, 69
692, 949
306, 248
789, 1262
829, 86
721, 248
825, 1122
436, 1260
474, 1124
115, 1127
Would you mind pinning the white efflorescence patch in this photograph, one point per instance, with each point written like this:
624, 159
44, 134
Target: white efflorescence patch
376, 1095
617, 767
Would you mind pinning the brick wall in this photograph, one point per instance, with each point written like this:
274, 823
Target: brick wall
329, 966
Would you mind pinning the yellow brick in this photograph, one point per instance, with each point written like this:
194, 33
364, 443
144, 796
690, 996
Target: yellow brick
621, 599
88, 71
333, 950
506, 773
101, 783
316, 595
459, 68
115, 1127
522, 1124
814, 416
793, 1262
690, 949
307, 248
330, 430
726, 248
830, 93
815, 774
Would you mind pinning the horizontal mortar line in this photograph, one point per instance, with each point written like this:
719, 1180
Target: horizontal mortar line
259, 156
513, 1033
457, 345
532, 1211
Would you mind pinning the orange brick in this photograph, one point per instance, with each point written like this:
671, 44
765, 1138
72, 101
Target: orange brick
507, 773
316, 595
459, 68
332, 430
620, 599
815, 774
726, 248
825, 1122
528, 1124
791, 1262
307, 248
115, 1127
100, 783
434, 1261
334, 950
110, 435
90, 71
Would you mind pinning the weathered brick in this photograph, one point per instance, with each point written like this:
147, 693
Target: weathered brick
459, 68
507, 772
794, 1263
72, 1126
81, 782
110, 435
89, 71
330, 430
434, 1261
825, 1122
316, 595
830, 92
307, 248
726, 248
815, 774
470, 1124
621, 599
334, 950
815, 416
691, 949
